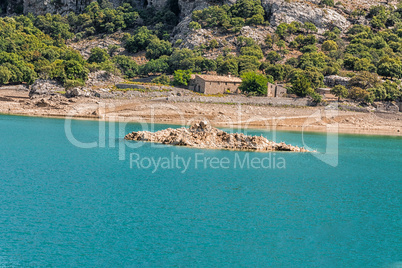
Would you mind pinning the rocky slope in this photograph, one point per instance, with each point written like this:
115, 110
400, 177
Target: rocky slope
303, 11
203, 135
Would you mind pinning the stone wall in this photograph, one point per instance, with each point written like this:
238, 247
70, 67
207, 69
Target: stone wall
144, 87
238, 99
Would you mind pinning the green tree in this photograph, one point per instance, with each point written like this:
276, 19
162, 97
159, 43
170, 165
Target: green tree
254, 83
281, 30
328, 2
5, 75
310, 27
364, 80
182, 77
248, 9
98, 55
162, 79
228, 65
268, 40
193, 25
329, 45
140, 40
273, 57
340, 91
127, 65
301, 86
157, 48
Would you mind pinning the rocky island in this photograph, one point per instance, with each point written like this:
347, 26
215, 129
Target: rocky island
203, 135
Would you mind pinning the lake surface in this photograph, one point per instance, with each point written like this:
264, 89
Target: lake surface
66, 206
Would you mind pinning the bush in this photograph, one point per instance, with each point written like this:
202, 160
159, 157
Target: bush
181, 77
329, 45
163, 79
301, 86
193, 25
317, 98
140, 40
328, 2
157, 48
340, 91
127, 65
5, 75
273, 57
98, 55
254, 83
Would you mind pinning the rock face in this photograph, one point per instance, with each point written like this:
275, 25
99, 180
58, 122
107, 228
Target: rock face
45, 87
203, 135
41, 7
387, 107
333, 80
302, 11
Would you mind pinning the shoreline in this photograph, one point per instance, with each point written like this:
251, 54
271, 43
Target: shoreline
149, 110
297, 129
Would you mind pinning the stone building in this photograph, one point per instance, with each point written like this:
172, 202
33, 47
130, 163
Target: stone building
276, 90
214, 84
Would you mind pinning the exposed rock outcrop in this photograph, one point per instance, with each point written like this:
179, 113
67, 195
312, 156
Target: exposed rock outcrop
203, 135
45, 87
303, 11
333, 80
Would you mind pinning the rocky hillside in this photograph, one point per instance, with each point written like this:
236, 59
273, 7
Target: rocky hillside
40, 7
295, 42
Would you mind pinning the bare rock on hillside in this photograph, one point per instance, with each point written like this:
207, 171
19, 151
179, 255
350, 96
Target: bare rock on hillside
333, 80
257, 33
45, 87
102, 78
303, 11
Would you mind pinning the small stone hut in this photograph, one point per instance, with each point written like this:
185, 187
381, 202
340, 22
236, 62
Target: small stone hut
214, 84
276, 90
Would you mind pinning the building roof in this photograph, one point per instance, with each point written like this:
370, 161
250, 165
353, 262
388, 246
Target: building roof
218, 78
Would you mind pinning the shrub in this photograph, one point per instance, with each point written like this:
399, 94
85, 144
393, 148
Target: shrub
254, 83
163, 79
273, 57
301, 86
328, 2
127, 65
157, 48
182, 77
329, 45
193, 25
140, 40
98, 55
340, 91
5, 75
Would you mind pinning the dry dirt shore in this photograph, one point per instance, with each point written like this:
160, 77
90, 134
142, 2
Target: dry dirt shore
316, 119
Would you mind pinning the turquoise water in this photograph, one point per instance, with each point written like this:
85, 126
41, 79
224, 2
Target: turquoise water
64, 206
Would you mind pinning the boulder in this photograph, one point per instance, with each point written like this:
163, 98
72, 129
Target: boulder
45, 87
386, 107
79, 92
333, 80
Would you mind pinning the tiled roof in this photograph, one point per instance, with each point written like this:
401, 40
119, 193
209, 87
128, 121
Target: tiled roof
218, 78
